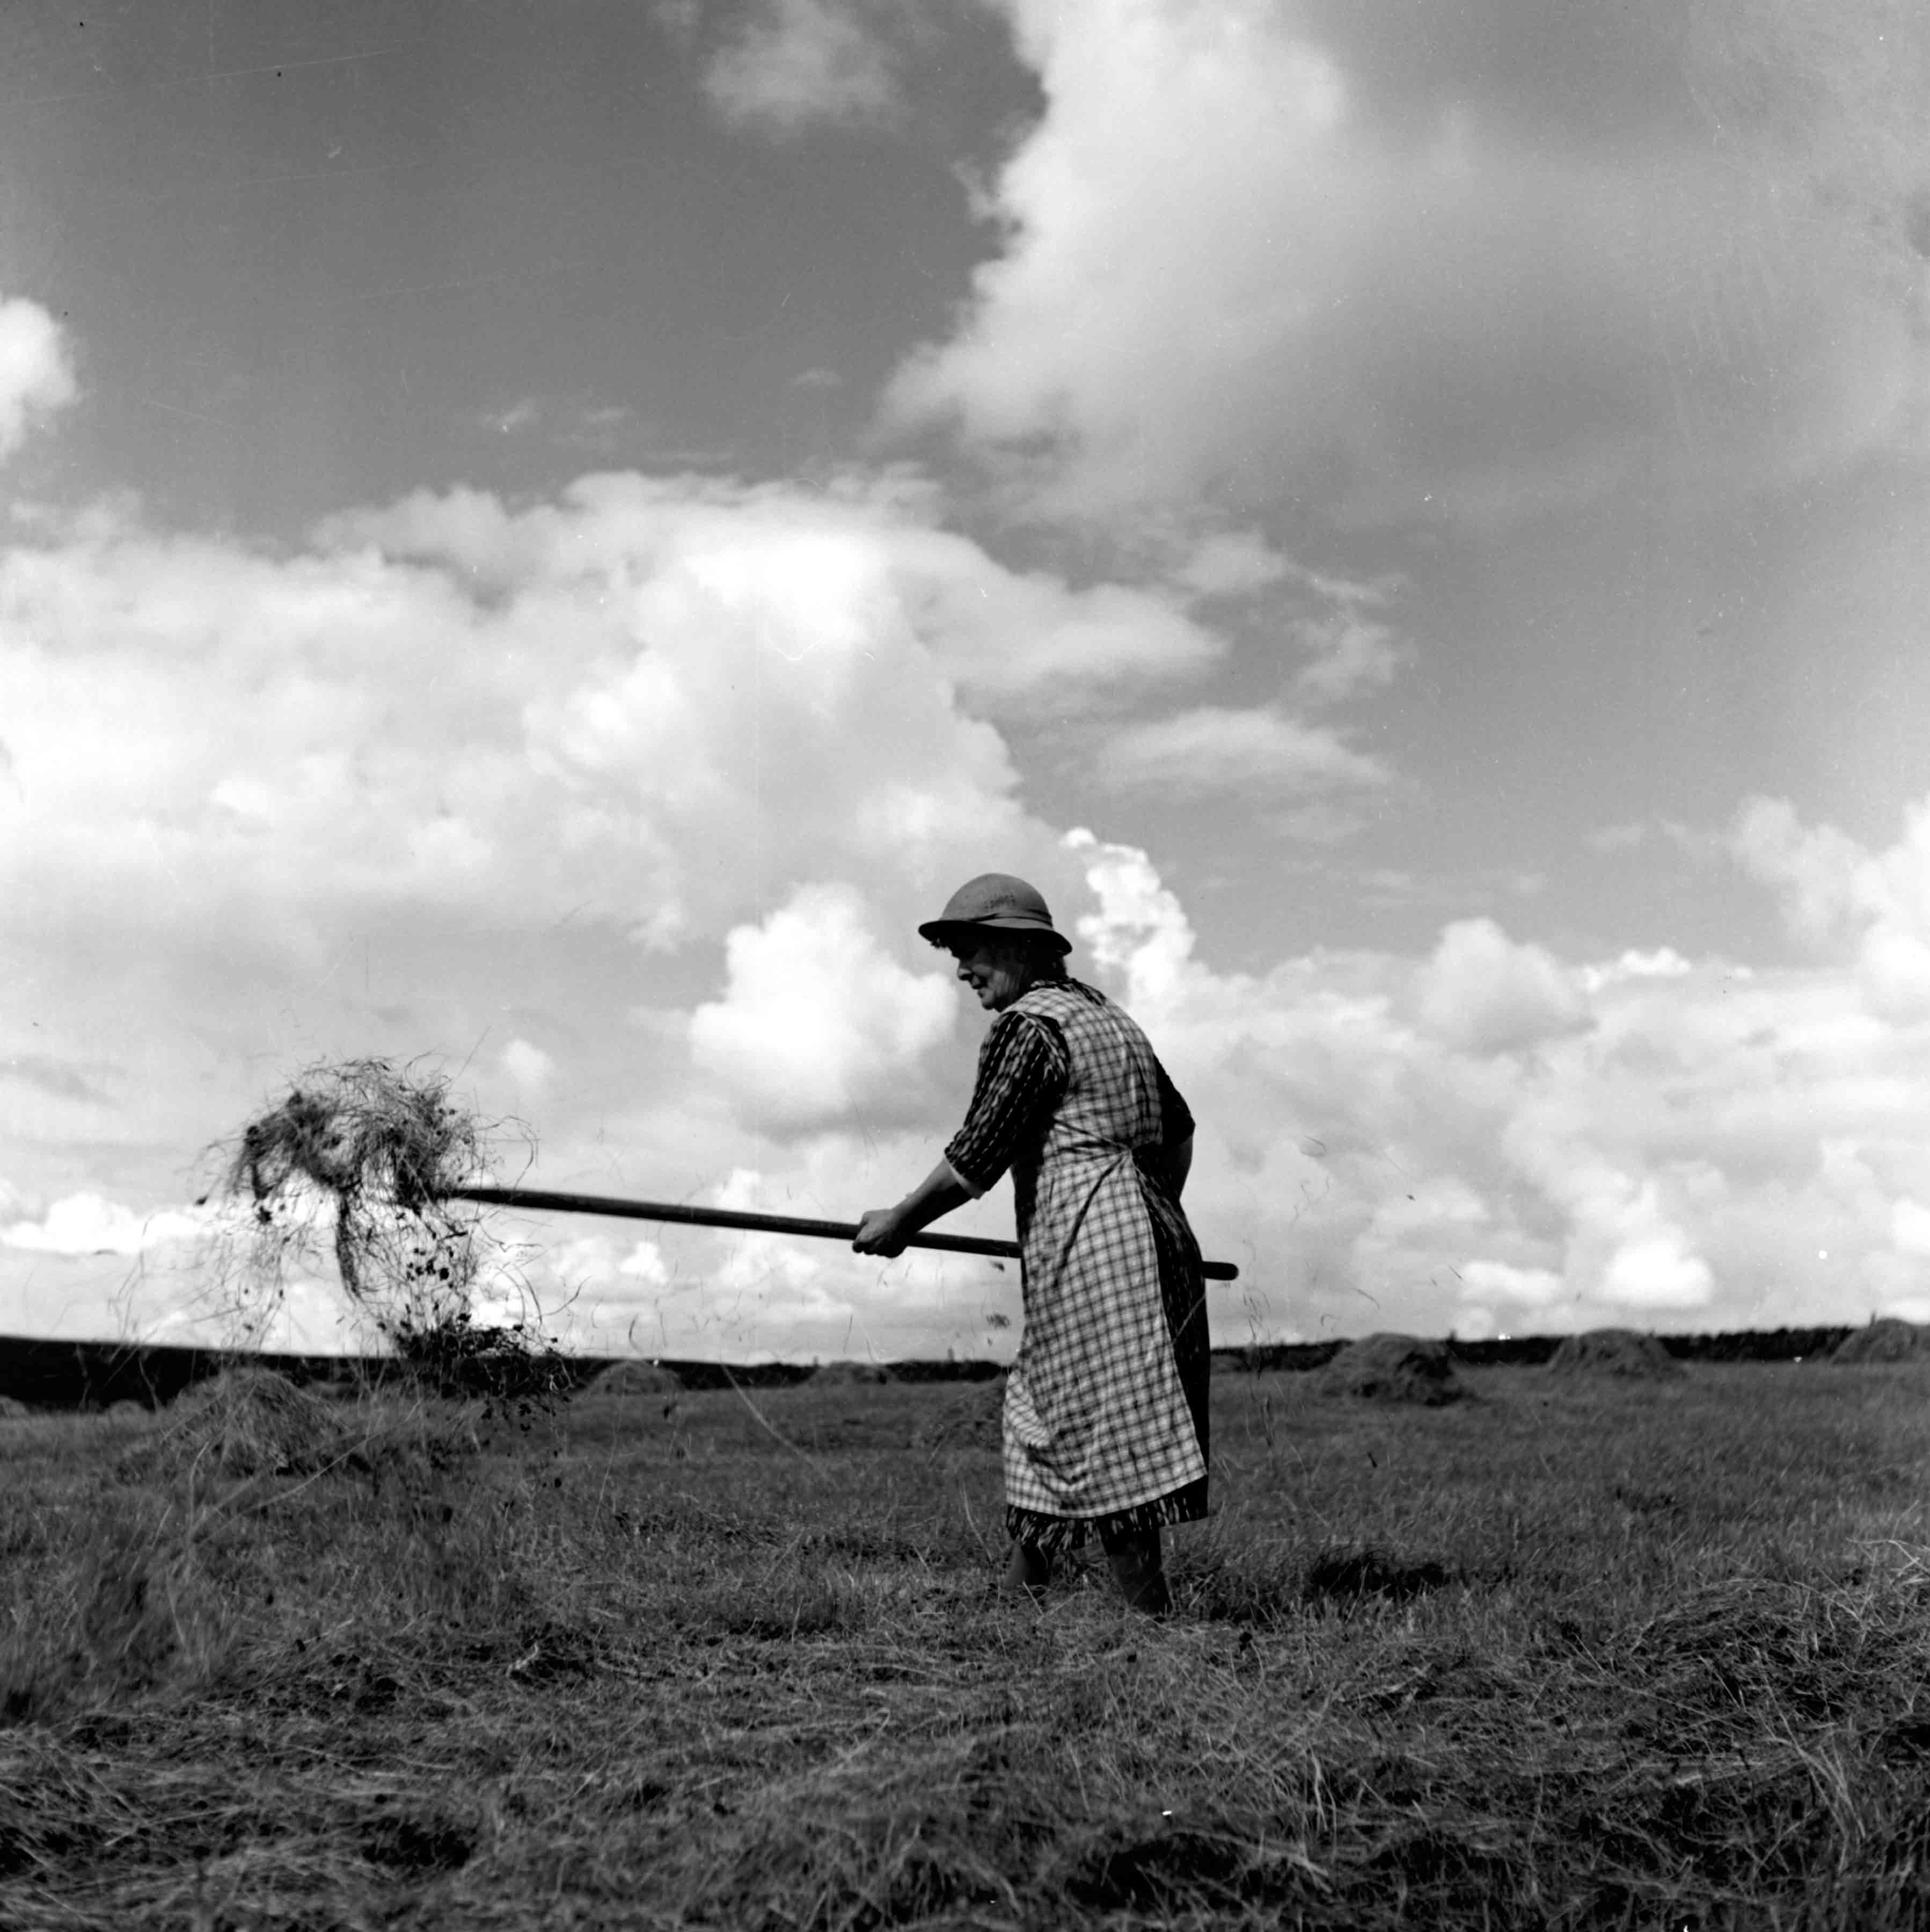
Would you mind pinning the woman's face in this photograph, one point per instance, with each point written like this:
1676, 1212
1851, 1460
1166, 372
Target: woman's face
995, 969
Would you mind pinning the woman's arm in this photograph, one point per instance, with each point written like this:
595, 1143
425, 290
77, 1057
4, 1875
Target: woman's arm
885, 1230
1022, 1073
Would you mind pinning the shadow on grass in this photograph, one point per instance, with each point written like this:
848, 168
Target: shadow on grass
1338, 1579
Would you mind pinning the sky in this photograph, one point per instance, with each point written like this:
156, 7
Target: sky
539, 541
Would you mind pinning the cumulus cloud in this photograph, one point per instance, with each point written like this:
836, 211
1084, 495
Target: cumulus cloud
36, 369
628, 804
1498, 1137
1247, 243
1836, 895
795, 64
86, 1224
525, 791
199, 731
1483, 994
818, 1020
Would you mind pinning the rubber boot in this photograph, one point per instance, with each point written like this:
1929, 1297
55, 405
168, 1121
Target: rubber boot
1139, 1570
1028, 1570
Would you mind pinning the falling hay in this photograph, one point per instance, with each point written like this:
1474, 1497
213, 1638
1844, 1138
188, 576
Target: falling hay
383, 1147
362, 1156
1622, 1353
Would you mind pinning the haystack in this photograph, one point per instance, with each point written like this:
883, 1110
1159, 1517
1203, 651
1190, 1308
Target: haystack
969, 1415
252, 1421
1393, 1368
1623, 1353
1887, 1340
636, 1378
849, 1375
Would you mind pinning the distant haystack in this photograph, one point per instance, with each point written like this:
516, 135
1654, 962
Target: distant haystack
1622, 1353
636, 1379
846, 1375
963, 1415
11, 1410
252, 1421
1888, 1340
1393, 1368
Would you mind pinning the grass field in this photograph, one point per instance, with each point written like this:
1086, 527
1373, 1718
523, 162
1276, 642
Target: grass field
1566, 1655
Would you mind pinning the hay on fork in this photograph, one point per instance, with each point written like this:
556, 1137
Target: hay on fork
366, 1155
382, 1145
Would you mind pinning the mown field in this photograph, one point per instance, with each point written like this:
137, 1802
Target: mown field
1568, 1654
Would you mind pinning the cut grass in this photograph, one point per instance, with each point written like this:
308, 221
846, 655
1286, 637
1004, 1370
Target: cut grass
1564, 1655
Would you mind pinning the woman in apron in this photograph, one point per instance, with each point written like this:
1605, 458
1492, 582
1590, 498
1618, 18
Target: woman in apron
1106, 1407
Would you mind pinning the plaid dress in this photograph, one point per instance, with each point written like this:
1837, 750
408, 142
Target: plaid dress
1105, 1408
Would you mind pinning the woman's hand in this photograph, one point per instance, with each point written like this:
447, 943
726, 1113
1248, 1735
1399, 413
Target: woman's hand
880, 1232
888, 1231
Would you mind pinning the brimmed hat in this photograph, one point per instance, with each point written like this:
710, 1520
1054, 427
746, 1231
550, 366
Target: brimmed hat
997, 900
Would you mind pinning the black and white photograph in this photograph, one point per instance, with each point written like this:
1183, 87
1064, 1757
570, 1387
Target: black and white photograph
965, 964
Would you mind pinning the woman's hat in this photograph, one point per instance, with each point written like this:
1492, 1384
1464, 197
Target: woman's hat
995, 899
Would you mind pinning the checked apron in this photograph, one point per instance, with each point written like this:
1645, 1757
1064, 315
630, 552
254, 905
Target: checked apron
1106, 1407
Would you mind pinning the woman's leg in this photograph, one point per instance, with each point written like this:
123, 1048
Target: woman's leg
1029, 1569
1139, 1570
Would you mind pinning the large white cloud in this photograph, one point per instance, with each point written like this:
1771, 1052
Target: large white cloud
679, 698
819, 1021
1836, 893
627, 804
1493, 1138
36, 369
591, 801
1407, 258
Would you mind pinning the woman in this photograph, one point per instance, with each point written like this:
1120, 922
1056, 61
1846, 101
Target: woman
1105, 1408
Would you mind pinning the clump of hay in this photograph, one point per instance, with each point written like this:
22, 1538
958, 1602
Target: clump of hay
249, 1422
1624, 1353
637, 1377
1393, 1368
373, 1150
1887, 1340
368, 1156
849, 1375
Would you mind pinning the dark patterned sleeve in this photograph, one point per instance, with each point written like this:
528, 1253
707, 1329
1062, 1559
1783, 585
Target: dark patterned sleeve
1023, 1068
1175, 1116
